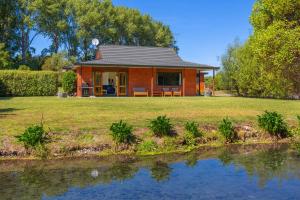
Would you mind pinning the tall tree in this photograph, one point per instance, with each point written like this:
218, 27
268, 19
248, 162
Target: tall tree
8, 25
276, 44
231, 66
268, 64
51, 18
26, 29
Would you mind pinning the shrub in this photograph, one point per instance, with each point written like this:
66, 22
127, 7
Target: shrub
227, 130
28, 83
273, 123
68, 82
24, 67
192, 127
33, 136
147, 146
189, 139
161, 126
121, 132
296, 131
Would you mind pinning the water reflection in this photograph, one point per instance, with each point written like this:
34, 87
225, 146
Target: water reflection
160, 171
35, 180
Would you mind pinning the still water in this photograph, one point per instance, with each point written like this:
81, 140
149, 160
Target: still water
236, 172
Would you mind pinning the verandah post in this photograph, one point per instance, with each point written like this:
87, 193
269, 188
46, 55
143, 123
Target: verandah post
152, 82
213, 89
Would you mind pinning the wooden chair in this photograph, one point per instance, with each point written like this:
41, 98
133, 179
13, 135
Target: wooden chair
176, 92
140, 92
166, 92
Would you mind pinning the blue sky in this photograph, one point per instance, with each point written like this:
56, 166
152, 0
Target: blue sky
203, 28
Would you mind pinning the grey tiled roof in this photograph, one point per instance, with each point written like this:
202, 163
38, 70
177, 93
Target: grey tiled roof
114, 55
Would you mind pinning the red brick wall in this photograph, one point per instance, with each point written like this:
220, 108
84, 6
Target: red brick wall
84, 75
139, 77
142, 77
190, 82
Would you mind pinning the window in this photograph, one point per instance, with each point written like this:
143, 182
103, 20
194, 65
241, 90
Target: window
169, 78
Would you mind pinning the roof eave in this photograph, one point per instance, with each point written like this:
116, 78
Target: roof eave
145, 66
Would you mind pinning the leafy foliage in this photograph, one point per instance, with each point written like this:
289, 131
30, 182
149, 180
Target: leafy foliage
33, 136
191, 133
227, 130
121, 132
68, 81
161, 126
189, 139
28, 83
4, 57
148, 146
56, 62
70, 25
192, 127
267, 65
273, 123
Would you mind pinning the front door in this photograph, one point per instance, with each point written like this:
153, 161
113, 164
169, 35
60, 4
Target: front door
122, 84
97, 83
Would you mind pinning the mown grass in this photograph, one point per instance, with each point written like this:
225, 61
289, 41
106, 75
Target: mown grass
83, 123
97, 114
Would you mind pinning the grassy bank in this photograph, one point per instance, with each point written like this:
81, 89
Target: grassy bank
83, 123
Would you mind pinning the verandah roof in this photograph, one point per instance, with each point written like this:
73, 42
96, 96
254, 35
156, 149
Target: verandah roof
116, 55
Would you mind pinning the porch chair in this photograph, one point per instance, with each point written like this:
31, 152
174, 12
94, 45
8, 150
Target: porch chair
140, 92
176, 92
167, 92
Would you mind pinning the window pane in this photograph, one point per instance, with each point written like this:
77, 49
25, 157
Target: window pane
169, 78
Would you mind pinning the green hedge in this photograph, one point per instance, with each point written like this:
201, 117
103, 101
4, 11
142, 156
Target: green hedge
28, 83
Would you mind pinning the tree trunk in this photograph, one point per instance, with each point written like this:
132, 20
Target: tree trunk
55, 43
24, 44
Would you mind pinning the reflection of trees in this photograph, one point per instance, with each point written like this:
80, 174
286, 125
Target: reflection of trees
34, 182
269, 164
191, 160
118, 172
160, 171
225, 157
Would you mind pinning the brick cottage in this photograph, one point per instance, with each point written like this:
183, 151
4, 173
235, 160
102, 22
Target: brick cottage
139, 71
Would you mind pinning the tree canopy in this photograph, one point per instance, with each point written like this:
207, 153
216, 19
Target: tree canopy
268, 63
70, 25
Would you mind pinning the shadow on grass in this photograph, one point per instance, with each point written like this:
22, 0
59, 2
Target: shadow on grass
7, 111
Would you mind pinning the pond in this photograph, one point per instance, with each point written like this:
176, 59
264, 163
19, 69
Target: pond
233, 172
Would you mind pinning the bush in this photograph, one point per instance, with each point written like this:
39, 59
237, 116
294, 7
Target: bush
147, 146
161, 126
28, 83
24, 67
33, 136
192, 127
122, 132
227, 130
68, 82
273, 123
189, 139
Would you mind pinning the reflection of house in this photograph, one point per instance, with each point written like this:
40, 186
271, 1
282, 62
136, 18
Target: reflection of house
124, 70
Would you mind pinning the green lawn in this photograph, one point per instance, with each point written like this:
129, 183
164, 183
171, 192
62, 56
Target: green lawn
96, 114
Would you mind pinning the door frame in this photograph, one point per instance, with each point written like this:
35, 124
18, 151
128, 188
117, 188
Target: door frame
122, 86
97, 86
